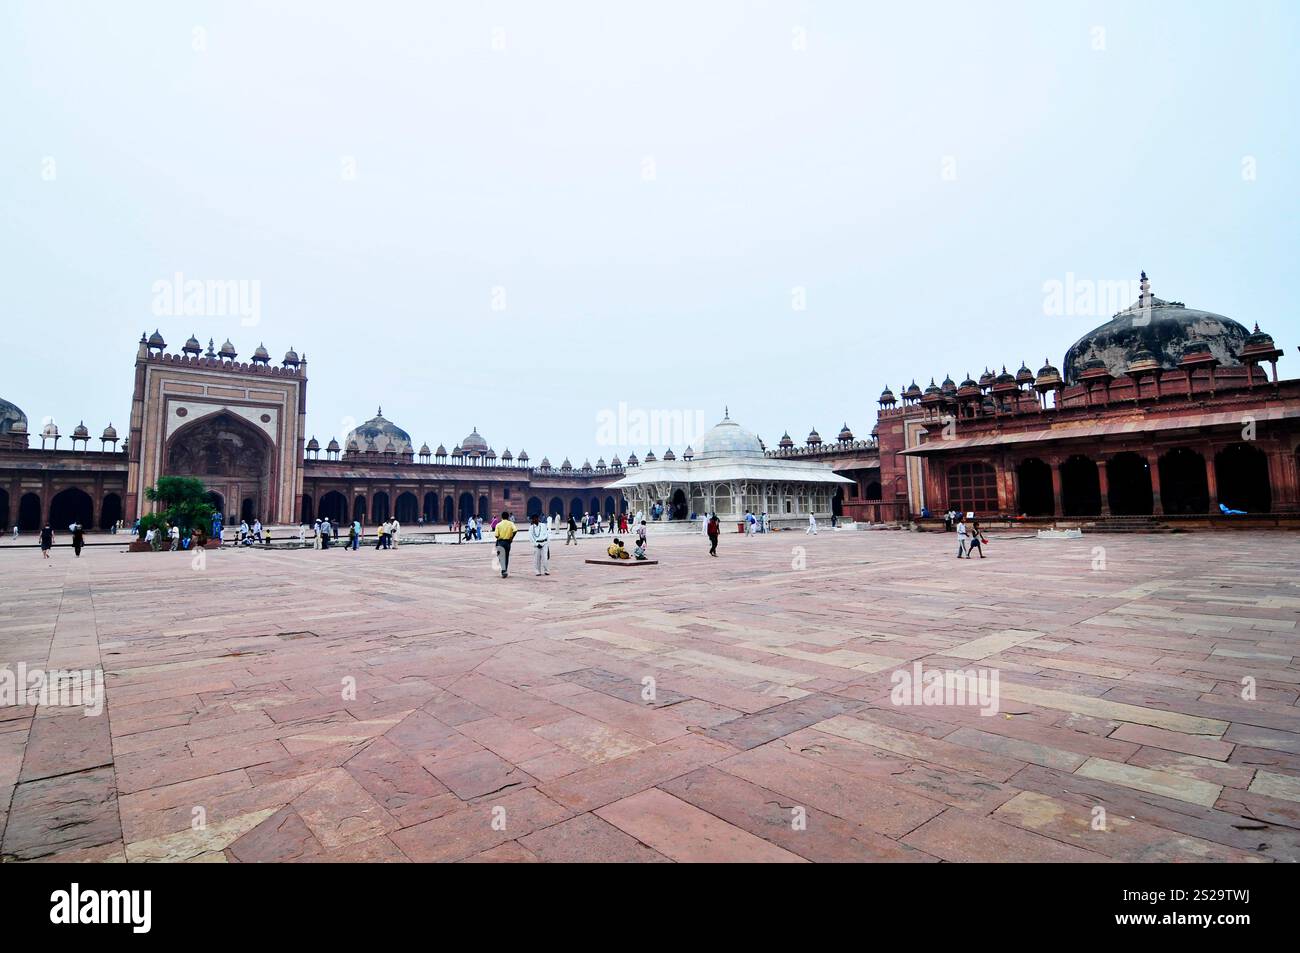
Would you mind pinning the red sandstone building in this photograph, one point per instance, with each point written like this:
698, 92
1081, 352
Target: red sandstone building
1162, 413
241, 428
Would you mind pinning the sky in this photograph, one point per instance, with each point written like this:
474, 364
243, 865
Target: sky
542, 220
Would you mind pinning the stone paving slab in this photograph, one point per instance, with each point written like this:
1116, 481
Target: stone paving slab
411, 705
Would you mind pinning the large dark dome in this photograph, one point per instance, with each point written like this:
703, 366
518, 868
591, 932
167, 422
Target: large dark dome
1164, 328
384, 433
10, 415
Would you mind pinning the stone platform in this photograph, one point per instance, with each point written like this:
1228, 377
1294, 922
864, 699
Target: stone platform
412, 705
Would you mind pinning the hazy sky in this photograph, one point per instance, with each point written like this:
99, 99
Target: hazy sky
518, 215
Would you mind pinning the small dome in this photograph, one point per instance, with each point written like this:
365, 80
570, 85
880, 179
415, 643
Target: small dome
949, 386
669, 455
441, 451
616, 462
586, 466
333, 446
456, 451
353, 446
507, 456
1048, 377
110, 433
50, 430
156, 340
687, 454
912, 392
291, 358
80, 431
546, 464
227, 351
371, 446
491, 454
425, 451
846, 435
987, 378
192, 346
474, 442
313, 444
261, 355
786, 442
1143, 362
632, 461
523, 456
600, 463
814, 438
1024, 375
650, 457
887, 396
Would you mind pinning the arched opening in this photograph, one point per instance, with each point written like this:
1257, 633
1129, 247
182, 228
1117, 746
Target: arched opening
677, 506
610, 509
534, 506
334, 507
1183, 484
72, 505
4, 510
1128, 479
1080, 487
837, 502
218, 504
595, 505
29, 512
307, 510
466, 506
483, 508
379, 507
575, 507
407, 508
359, 509
110, 511
973, 488
448, 510
230, 456
431, 507
1034, 482
555, 507
1241, 472
873, 490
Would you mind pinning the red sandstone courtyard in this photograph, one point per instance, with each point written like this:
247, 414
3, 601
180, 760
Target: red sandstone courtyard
704, 709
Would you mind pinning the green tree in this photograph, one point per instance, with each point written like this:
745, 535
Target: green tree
183, 502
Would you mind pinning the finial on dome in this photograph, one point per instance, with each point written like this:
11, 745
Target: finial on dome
380, 411
726, 412
1145, 285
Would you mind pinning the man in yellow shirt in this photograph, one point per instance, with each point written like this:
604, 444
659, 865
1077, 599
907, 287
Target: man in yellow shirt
616, 550
505, 534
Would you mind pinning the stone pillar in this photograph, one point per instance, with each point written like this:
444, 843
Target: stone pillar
1056, 487
1103, 484
1153, 467
1211, 478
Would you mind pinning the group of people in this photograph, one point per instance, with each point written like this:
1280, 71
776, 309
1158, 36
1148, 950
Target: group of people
969, 536
504, 532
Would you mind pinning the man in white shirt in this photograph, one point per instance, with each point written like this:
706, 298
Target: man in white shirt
539, 534
395, 531
962, 538
812, 526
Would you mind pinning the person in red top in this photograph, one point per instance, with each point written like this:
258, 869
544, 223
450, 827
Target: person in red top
713, 531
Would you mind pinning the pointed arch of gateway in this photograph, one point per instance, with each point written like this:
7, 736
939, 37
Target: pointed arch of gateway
232, 458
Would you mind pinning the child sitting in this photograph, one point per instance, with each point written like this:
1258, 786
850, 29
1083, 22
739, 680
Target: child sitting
639, 551
616, 550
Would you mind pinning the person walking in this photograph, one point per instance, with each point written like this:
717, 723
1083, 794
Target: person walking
573, 532
976, 539
539, 534
641, 535
357, 534
315, 535
175, 534
326, 532
79, 539
382, 535
395, 532
714, 530
505, 535
47, 540
812, 526
962, 538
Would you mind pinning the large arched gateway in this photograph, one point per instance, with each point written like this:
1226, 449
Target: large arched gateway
231, 457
